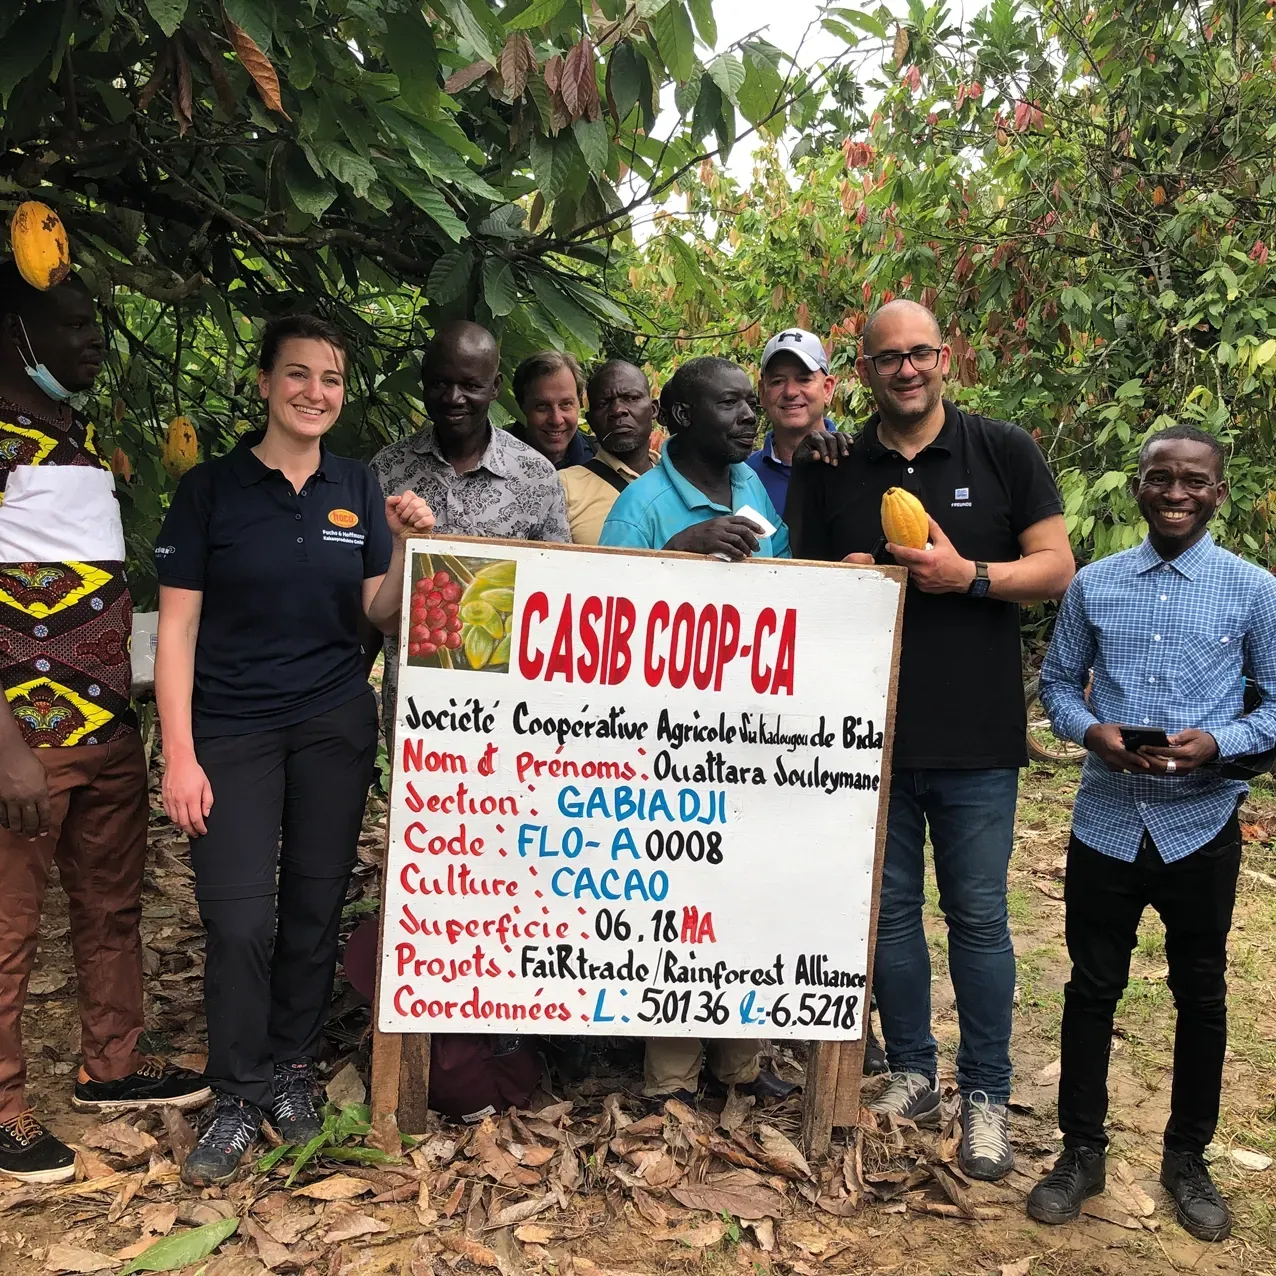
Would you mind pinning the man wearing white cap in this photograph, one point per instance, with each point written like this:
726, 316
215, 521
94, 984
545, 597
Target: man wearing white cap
795, 387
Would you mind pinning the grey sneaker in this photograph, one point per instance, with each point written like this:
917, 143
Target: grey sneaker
909, 1095
985, 1138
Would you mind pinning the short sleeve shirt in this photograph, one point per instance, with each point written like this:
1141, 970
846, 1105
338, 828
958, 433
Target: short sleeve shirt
65, 614
282, 576
590, 496
656, 507
985, 482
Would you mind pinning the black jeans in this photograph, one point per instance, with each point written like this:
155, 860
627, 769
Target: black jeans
1105, 899
288, 804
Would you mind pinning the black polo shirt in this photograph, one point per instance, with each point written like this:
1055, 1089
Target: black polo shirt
282, 576
984, 482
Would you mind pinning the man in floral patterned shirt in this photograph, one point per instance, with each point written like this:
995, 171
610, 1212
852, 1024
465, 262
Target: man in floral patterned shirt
72, 772
478, 480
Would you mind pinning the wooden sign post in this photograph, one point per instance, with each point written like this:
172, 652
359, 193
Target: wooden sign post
635, 795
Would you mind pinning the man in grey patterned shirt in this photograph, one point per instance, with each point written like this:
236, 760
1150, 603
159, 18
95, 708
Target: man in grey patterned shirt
478, 480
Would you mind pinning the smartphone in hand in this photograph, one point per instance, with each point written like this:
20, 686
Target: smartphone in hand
1135, 738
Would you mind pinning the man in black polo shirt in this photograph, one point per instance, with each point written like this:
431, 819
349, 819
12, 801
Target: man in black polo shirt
998, 539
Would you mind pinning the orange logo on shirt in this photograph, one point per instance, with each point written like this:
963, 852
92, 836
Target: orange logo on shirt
343, 518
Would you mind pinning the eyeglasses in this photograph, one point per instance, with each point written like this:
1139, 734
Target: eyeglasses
923, 359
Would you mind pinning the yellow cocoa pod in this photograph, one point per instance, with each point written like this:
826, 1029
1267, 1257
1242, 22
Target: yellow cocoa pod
40, 248
181, 446
904, 519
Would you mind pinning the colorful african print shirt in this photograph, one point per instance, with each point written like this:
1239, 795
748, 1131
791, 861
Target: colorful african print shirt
65, 613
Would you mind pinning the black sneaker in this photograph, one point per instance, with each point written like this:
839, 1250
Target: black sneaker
295, 1114
215, 1158
1078, 1174
30, 1153
875, 1064
152, 1085
1201, 1211
985, 1151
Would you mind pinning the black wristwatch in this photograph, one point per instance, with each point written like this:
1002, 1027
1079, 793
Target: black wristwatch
980, 585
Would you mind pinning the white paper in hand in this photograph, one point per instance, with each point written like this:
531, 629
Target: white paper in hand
765, 526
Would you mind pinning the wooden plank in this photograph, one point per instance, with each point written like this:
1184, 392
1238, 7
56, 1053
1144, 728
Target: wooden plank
414, 1082
832, 1095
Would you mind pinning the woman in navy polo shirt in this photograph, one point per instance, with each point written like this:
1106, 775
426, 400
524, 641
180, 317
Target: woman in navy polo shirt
268, 560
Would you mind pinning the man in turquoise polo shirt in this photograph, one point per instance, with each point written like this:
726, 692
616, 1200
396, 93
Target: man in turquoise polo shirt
692, 500
695, 501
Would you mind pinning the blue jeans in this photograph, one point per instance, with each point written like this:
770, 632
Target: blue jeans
971, 815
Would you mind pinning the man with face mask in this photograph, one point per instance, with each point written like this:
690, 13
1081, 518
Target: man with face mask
621, 414
73, 784
997, 538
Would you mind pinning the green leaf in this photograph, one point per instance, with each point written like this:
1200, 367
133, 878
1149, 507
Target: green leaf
675, 39
537, 14
309, 192
702, 12
591, 137
553, 159
449, 276
477, 27
566, 312
428, 198
180, 1250
649, 8
347, 167
26, 44
728, 74
409, 46
624, 80
865, 21
168, 13
499, 290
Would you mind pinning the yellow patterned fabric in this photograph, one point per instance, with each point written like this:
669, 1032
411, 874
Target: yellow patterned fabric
64, 626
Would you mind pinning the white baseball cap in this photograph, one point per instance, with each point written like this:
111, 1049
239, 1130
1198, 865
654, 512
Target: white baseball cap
797, 341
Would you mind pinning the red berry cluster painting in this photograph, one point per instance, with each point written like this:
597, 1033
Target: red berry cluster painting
460, 612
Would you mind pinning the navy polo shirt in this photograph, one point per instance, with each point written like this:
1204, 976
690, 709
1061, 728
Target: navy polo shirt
774, 473
282, 576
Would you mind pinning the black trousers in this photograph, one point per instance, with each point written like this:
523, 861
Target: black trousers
270, 877
1105, 899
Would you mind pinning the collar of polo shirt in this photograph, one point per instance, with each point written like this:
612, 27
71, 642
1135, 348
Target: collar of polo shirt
495, 458
249, 468
942, 442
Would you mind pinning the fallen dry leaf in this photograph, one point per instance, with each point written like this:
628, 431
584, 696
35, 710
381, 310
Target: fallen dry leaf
269, 1250
1255, 1162
128, 1190
782, 1154
287, 1229
1050, 1073
89, 1165
68, 1258
346, 1087
1018, 1268
537, 1156
745, 1203
134, 1145
44, 982
521, 1211
1101, 1208
699, 1237
495, 1161
338, 1187
472, 1250
736, 1110
651, 1209
764, 1234
158, 1220
347, 1225
534, 1234
19, 1196
181, 1135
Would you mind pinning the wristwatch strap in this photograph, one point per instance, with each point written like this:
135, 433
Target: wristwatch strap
980, 585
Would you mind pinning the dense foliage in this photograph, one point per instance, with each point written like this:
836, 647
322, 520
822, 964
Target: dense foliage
384, 162
1085, 192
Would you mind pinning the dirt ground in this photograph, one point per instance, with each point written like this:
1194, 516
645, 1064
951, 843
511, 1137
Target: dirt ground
590, 1184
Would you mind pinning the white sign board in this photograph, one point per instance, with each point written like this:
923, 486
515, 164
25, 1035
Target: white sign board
634, 794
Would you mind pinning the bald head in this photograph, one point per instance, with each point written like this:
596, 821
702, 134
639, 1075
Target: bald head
900, 312
460, 376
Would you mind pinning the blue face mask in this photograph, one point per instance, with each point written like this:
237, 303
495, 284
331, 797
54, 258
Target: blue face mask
43, 378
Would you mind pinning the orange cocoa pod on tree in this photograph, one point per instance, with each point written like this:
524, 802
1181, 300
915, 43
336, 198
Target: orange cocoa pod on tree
39, 243
181, 446
904, 519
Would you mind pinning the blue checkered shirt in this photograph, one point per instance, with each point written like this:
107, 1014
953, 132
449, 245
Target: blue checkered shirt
1169, 644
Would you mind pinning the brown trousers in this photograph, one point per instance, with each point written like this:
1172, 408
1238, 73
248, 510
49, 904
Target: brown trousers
99, 803
674, 1063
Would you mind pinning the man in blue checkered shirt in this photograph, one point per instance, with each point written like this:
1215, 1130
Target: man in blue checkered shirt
1170, 630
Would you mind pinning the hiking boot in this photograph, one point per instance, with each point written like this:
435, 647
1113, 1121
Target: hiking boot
152, 1085
1201, 1211
875, 1064
30, 1153
985, 1151
654, 1103
295, 1114
909, 1095
215, 1158
1078, 1174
